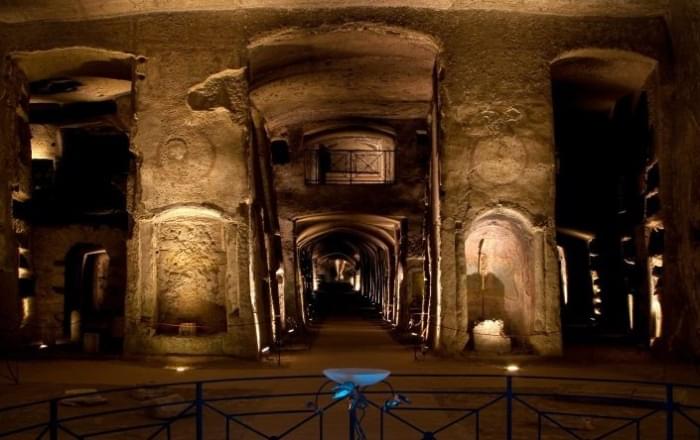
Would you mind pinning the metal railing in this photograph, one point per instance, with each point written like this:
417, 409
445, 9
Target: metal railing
464, 406
344, 166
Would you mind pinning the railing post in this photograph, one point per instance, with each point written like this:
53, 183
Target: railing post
477, 427
320, 425
509, 407
352, 419
670, 409
53, 419
199, 408
381, 423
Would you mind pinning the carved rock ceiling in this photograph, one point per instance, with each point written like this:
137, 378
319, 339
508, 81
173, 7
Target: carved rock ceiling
21, 10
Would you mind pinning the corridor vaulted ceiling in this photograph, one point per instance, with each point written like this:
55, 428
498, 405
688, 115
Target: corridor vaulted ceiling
359, 70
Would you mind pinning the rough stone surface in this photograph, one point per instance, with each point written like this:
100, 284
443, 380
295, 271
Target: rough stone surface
10, 178
191, 266
192, 270
191, 139
681, 305
49, 250
171, 407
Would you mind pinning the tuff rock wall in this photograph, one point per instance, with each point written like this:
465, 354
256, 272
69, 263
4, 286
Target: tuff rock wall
681, 325
190, 137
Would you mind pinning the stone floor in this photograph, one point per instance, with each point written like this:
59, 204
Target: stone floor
349, 341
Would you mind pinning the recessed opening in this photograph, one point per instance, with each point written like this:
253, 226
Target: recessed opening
346, 156
78, 108
607, 191
500, 288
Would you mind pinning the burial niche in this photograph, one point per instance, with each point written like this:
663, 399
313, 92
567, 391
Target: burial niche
191, 276
499, 281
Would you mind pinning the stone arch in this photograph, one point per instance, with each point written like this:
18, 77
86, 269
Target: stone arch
602, 74
303, 75
190, 285
500, 266
377, 241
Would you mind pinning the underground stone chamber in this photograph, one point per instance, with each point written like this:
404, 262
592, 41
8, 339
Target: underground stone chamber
610, 228
449, 174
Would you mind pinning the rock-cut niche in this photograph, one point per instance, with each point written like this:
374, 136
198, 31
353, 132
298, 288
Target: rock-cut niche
500, 268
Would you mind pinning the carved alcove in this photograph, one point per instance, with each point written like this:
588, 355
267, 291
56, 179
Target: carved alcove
502, 264
189, 289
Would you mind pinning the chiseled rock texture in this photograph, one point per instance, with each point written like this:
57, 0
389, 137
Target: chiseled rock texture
192, 240
50, 256
682, 308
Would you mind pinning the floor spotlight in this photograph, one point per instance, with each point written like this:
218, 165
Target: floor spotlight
178, 368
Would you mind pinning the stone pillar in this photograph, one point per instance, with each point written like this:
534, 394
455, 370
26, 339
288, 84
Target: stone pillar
452, 337
9, 301
497, 153
292, 290
680, 188
14, 178
462, 308
190, 253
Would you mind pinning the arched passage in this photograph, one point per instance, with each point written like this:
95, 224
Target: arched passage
347, 107
354, 254
610, 230
91, 302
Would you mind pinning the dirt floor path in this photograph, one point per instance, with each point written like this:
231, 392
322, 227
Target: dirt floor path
351, 342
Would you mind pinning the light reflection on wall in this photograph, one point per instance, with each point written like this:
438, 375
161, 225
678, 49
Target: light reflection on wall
499, 266
254, 303
630, 309
597, 298
28, 310
655, 265
46, 141
279, 275
564, 275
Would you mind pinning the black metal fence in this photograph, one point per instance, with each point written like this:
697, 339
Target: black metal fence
445, 406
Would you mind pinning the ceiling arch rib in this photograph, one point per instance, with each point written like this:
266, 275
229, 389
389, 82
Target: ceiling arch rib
594, 79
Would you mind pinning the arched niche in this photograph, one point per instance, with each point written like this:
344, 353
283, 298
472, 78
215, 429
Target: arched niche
501, 265
191, 296
190, 272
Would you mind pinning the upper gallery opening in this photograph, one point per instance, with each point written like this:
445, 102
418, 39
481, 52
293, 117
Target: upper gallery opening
79, 112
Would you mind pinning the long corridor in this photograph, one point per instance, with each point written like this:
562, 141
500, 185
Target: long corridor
349, 334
